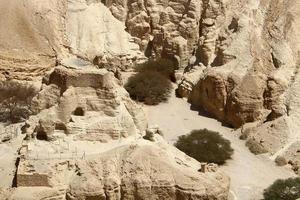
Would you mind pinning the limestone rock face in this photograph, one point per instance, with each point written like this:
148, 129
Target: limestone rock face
145, 172
252, 70
140, 169
87, 103
244, 72
95, 34
31, 36
35, 36
291, 156
176, 29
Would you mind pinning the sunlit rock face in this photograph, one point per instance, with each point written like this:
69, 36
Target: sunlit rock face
145, 172
84, 137
85, 141
251, 64
240, 60
87, 103
31, 36
250, 72
35, 36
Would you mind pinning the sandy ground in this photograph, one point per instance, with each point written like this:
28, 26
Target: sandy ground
249, 174
8, 157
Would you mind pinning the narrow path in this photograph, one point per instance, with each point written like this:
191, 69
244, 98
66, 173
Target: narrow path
249, 174
8, 157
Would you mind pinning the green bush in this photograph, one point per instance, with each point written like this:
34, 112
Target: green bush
161, 65
149, 87
205, 146
15, 100
288, 189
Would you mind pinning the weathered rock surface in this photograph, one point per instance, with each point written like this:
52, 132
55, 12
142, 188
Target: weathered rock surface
138, 170
85, 141
253, 84
146, 172
94, 34
247, 50
161, 28
31, 36
252, 61
87, 103
35, 36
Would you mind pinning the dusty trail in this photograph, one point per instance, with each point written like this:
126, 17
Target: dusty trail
249, 174
8, 157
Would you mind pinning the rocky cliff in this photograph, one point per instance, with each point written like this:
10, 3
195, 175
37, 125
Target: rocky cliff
239, 61
251, 74
85, 142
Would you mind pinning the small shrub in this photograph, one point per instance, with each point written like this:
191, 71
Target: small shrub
149, 87
281, 161
15, 101
288, 189
17, 90
205, 146
255, 147
161, 65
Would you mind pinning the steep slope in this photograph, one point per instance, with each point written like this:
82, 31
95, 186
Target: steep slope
35, 36
31, 36
94, 34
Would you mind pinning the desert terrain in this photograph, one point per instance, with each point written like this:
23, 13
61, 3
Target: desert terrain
96, 98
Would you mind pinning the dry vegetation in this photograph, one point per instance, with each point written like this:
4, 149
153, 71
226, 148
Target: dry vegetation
152, 83
15, 101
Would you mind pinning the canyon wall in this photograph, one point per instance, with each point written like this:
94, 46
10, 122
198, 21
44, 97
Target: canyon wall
239, 60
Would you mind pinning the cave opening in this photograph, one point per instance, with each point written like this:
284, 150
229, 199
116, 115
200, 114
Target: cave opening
78, 111
41, 135
60, 126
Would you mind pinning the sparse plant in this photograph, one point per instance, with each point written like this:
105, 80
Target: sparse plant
205, 146
288, 189
15, 100
281, 161
255, 147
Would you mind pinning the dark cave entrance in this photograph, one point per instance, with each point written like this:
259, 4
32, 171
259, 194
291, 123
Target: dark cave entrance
78, 112
41, 135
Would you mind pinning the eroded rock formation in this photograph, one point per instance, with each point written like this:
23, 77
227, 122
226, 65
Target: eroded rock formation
86, 141
138, 170
251, 72
241, 64
87, 103
145, 172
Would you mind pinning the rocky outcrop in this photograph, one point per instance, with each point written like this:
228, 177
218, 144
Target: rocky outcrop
252, 71
36, 36
94, 34
141, 169
174, 29
145, 172
290, 156
31, 37
245, 76
85, 102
